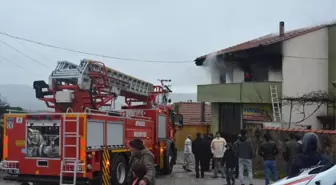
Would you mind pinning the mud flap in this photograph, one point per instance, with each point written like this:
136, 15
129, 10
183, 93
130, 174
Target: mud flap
105, 167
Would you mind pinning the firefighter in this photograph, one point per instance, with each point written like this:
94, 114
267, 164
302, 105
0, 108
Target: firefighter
198, 151
141, 155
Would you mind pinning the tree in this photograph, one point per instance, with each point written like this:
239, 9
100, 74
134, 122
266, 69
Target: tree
3, 105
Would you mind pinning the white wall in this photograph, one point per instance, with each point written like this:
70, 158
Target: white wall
274, 75
238, 75
302, 75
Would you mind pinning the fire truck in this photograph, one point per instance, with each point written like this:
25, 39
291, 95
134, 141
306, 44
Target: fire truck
84, 140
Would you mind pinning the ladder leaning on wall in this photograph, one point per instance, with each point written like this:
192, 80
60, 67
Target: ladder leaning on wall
275, 103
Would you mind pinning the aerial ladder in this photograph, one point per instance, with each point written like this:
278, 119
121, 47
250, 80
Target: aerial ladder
93, 85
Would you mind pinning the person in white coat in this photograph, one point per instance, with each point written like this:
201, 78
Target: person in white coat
218, 148
187, 154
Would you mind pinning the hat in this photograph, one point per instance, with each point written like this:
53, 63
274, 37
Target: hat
137, 144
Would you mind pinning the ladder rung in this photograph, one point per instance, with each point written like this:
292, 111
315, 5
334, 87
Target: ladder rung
70, 133
69, 159
70, 145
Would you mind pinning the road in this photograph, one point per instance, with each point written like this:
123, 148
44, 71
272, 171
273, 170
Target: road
179, 177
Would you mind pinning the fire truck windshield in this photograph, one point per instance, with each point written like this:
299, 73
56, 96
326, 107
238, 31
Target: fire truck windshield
42, 139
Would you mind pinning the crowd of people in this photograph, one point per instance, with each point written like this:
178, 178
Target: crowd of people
232, 159
227, 158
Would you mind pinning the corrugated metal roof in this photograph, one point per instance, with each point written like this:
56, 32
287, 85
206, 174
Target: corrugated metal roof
191, 112
265, 40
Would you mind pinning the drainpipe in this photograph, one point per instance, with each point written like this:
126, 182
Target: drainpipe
202, 112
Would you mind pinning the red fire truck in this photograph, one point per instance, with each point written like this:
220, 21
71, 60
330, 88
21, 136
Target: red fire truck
84, 140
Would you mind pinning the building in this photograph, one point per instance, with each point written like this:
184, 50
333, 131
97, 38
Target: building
196, 118
294, 64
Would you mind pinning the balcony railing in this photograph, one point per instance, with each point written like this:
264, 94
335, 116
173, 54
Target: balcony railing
246, 92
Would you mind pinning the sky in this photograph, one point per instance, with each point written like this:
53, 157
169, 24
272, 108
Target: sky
170, 30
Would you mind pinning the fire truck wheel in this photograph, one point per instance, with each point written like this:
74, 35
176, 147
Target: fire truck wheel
169, 162
119, 170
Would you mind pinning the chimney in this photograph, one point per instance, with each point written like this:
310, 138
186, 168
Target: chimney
281, 28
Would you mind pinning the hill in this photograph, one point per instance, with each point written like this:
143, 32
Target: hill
24, 96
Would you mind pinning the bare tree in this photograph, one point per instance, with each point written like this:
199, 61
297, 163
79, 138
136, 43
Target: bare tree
299, 103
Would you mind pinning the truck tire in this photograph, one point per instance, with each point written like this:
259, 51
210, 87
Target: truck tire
169, 162
119, 170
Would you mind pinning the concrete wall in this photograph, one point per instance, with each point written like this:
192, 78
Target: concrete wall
214, 118
332, 62
274, 75
305, 74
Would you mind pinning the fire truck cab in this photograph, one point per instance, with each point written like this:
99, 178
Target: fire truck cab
79, 142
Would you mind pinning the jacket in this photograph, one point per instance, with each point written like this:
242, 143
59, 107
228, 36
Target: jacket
243, 148
309, 156
145, 157
230, 159
187, 146
198, 147
268, 150
218, 147
291, 149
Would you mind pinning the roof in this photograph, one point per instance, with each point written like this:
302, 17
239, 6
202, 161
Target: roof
264, 41
191, 112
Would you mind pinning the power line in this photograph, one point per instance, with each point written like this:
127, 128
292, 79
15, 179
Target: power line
43, 56
92, 54
3, 42
14, 63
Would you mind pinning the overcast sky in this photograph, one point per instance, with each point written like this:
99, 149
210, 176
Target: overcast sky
171, 30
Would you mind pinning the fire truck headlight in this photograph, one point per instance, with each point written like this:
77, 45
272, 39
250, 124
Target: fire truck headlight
89, 167
89, 156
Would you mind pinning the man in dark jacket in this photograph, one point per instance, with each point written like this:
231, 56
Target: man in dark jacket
244, 152
268, 150
229, 160
310, 155
290, 151
208, 153
140, 154
199, 153
299, 141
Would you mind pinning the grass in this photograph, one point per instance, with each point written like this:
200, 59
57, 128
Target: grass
261, 175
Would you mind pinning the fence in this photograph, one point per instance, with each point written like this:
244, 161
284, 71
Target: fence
255, 133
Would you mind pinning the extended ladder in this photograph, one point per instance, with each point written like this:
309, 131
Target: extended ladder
275, 103
70, 164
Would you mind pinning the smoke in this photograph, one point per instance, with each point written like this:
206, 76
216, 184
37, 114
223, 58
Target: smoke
216, 66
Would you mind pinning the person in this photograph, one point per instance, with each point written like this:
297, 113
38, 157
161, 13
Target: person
291, 148
298, 139
200, 155
211, 137
139, 171
310, 155
268, 151
244, 151
208, 153
187, 154
229, 160
218, 148
141, 155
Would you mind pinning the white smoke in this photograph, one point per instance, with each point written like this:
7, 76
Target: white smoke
217, 66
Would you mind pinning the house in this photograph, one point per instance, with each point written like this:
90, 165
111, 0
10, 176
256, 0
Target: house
298, 66
196, 118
